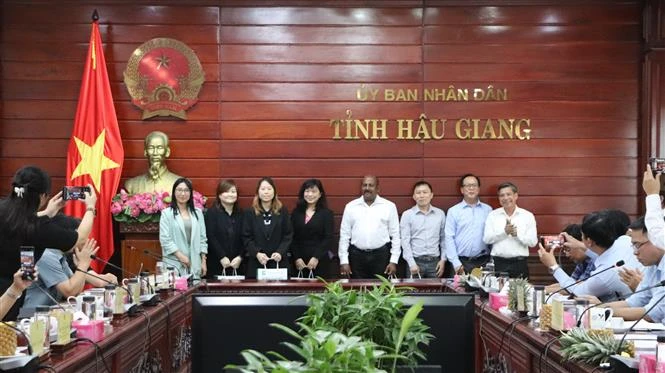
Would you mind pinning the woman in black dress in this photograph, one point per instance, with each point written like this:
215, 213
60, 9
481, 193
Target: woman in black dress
267, 232
313, 226
224, 225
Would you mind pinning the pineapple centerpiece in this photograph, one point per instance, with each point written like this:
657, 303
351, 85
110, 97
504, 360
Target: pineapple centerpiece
518, 296
593, 346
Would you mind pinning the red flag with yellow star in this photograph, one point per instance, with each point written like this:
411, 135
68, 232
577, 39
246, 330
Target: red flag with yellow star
95, 153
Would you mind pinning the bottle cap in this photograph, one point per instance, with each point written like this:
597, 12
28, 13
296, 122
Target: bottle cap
660, 338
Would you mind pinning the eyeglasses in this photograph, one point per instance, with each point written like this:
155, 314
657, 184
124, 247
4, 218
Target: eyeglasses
470, 186
183, 191
637, 245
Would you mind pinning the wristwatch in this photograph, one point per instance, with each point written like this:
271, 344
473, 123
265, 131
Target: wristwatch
94, 210
553, 268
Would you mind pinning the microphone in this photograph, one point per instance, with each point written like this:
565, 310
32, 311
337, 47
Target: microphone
162, 258
638, 320
617, 265
131, 308
658, 284
149, 299
55, 301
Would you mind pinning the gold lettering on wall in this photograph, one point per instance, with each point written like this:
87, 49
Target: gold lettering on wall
424, 128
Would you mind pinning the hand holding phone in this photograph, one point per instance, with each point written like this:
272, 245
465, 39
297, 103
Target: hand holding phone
28, 262
74, 192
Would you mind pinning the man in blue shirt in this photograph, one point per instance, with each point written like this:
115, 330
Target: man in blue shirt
464, 229
422, 234
650, 256
604, 233
583, 264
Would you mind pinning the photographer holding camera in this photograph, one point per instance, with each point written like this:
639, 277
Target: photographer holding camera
603, 232
568, 238
25, 220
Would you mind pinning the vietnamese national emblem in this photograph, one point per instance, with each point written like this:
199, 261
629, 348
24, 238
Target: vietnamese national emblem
164, 77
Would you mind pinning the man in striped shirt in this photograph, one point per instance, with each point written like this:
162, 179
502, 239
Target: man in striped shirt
465, 224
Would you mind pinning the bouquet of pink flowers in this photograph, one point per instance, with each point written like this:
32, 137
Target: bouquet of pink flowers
145, 207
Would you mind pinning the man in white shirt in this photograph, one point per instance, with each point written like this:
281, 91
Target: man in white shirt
510, 230
369, 241
653, 219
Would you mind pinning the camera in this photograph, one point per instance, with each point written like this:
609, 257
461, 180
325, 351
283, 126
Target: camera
552, 242
74, 192
657, 165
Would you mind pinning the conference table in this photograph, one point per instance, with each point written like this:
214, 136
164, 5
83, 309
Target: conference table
159, 338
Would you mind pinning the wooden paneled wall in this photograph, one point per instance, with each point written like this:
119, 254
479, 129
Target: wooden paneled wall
278, 72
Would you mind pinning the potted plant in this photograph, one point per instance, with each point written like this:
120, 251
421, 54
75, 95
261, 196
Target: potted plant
383, 327
372, 314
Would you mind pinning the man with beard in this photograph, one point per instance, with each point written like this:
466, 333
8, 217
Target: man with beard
158, 178
369, 240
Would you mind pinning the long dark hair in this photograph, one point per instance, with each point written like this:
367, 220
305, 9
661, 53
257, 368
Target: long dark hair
275, 204
18, 211
190, 201
223, 187
322, 203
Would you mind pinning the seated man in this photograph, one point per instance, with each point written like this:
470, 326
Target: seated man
602, 232
651, 257
57, 279
583, 263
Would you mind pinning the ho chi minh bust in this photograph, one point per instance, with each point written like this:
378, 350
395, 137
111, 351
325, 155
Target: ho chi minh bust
158, 178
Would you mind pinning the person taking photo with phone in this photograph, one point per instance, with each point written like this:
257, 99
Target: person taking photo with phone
25, 220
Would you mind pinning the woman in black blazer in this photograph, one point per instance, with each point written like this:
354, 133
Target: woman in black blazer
224, 227
267, 232
313, 227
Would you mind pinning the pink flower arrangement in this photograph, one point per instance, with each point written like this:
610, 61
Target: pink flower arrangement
145, 207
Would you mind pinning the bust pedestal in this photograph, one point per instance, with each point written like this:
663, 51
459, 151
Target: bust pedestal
136, 238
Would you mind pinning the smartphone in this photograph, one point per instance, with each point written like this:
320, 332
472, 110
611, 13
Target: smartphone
657, 165
28, 262
74, 192
552, 242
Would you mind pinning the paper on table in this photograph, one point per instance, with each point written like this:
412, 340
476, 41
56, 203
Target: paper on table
642, 325
637, 336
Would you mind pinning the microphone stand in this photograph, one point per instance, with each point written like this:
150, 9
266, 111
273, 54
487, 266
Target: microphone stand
151, 299
618, 264
638, 320
131, 308
19, 363
149, 253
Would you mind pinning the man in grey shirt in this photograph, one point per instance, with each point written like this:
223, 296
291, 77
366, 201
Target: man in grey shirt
422, 232
56, 279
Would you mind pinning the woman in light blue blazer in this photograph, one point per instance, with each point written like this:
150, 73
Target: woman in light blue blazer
182, 232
